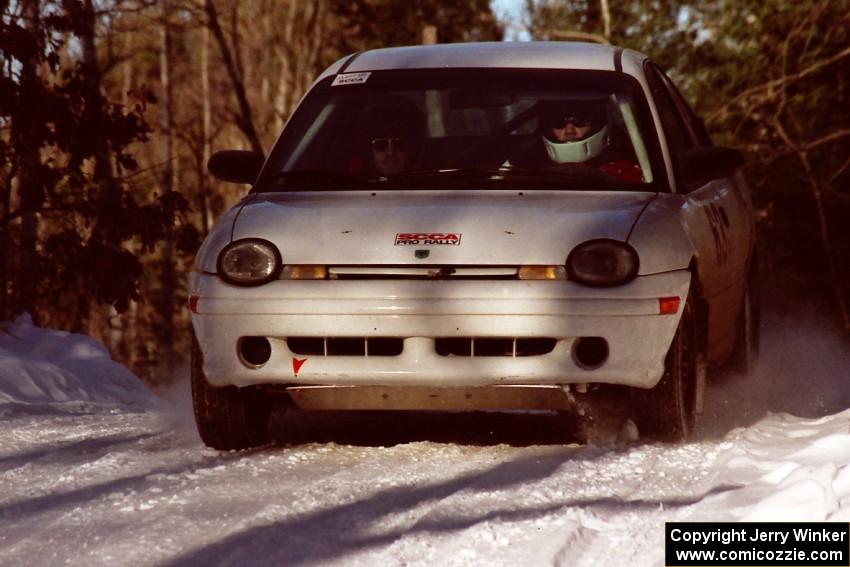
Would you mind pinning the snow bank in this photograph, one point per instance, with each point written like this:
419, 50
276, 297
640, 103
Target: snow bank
784, 468
42, 366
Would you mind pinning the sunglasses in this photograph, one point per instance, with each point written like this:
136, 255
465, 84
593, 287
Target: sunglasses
576, 121
384, 144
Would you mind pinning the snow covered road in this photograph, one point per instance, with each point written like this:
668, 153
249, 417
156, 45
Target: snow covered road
123, 479
117, 487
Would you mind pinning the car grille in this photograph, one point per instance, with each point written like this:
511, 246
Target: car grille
393, 346
419, 277
346, 346
422, 272
468, 346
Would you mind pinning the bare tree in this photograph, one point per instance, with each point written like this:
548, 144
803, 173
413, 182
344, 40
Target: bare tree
297, 51
30, 189
805, 56
245, 119
606, 19
203, 189
168, 176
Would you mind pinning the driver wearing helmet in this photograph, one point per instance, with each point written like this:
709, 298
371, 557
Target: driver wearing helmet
575, 134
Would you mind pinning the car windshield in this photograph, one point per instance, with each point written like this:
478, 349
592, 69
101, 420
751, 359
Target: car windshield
468, 129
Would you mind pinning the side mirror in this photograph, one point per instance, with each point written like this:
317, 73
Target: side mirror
237, 166
704, 163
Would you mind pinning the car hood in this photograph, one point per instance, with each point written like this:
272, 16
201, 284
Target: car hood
480, 228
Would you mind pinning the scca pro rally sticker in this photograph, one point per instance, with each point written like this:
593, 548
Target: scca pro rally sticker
428, 238
350, 79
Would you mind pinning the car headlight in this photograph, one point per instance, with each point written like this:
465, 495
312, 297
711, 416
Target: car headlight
250, 261
602, 263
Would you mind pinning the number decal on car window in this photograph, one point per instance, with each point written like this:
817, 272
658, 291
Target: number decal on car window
350, 79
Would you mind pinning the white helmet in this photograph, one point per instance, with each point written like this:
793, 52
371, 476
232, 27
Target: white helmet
578, 151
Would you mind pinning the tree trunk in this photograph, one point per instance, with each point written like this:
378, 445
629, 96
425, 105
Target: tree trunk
103, 174
203, 180
96, 321
823, 223
246, 119
826, 240
429, 35
286, 82
30, 188
606, 19
5, 229
432, 99
5, 236
167, 299
121, 322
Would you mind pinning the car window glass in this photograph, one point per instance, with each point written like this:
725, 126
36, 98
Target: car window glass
679, 139
694, 123
476, 120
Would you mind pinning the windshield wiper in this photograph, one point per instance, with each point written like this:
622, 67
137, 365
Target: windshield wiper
312, 179
466, 177
520, 174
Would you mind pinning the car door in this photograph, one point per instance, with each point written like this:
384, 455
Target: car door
735, 214
717, 213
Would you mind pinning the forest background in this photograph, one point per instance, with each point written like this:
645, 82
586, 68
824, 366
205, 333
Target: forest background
109, 110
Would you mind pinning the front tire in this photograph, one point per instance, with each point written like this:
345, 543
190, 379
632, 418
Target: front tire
667, 412
228, 418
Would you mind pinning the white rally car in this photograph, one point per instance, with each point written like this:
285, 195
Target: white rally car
476, 226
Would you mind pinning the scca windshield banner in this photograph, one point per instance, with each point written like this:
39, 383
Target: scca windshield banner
763, 544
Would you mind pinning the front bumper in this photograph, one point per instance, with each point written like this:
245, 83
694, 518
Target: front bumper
627, 317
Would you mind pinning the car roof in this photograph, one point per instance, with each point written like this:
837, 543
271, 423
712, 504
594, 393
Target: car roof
522, 55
